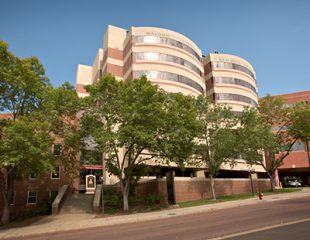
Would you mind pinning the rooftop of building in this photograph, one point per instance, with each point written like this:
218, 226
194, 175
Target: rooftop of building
295, 96
4, 115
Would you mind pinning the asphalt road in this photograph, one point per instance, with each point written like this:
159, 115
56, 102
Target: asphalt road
205, 225
298, 231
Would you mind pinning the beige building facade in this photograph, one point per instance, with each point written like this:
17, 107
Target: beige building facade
167, 58
176, 64
230, 80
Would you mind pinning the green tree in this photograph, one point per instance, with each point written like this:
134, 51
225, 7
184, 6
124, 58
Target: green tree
59, 108
178, 129
279, 117
26, 141
300, 127
40, 115
268, 130
22, 83
257, 139
129, 122
217, 138
25, 148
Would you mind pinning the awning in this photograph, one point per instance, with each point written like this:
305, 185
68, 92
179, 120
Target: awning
93, 167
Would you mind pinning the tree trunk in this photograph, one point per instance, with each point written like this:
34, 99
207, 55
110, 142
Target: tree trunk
273, 182
125, 192
5, 217
212, 187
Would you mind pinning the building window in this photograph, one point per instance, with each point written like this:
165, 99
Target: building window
32, 197
55, 174
236, 97
169, 77
57, 149
297, 146
12, 199
235, 66
235, 81
167, 41
155, 56
33, 176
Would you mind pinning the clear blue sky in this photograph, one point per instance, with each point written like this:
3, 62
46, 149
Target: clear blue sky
274, 36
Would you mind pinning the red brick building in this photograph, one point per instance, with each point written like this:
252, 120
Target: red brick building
296, 164
34, 195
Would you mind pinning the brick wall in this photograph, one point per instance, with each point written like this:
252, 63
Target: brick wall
189, 189
154, 186
297, 159
43, 186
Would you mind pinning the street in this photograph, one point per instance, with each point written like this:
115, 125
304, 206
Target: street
298, 231
205, 225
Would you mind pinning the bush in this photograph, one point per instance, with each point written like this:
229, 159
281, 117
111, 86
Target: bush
151, 199
112, 197
135, 200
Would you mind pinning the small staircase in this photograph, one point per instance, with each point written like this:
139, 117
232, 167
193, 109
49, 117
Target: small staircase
78, 203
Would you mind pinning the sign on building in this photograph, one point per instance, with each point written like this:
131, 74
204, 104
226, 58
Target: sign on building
90, 184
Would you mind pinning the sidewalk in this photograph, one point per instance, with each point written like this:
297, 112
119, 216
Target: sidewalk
67, 222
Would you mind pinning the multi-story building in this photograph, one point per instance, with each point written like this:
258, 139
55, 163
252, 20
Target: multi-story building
296, 165
167, 58
230, 80
175, 63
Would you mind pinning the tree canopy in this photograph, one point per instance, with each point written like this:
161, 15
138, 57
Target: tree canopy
217, 138
272, 130
134, 122
22, 82
39, 115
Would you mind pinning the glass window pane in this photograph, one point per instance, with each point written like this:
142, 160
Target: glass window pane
32, 197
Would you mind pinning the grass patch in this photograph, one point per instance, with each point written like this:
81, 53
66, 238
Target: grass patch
112, 211
234, 197
219, 199
283, 190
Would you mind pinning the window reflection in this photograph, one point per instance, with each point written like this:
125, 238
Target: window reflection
233, 66
235, 81
150, 39
235, 97
166, 57
297, 146
168, 76
167, 41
